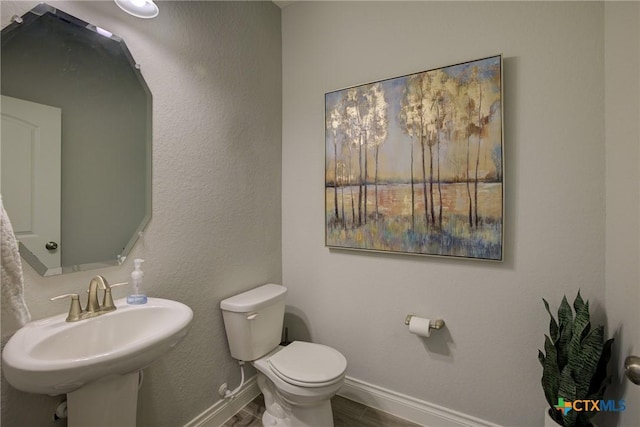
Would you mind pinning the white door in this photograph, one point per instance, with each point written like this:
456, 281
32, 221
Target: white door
30, 170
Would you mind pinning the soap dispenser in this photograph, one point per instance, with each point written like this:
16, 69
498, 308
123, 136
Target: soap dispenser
137, 295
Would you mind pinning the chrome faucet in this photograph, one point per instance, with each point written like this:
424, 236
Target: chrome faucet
93, 307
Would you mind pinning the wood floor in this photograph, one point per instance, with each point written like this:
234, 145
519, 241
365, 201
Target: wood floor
346, 413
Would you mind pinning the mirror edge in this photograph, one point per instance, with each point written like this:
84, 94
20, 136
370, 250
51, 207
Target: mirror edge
149, 163
35, 263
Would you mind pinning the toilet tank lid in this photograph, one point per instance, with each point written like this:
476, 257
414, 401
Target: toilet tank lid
254, 299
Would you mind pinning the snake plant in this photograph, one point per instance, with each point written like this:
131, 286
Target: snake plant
574, 363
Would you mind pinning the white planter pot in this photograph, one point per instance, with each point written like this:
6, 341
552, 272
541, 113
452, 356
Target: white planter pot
548, 421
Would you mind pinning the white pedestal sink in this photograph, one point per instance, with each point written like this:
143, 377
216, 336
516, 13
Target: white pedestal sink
95, 361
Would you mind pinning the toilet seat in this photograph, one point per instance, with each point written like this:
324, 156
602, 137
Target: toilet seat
308, 364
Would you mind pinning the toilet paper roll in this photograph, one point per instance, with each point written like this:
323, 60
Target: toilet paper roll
420, 326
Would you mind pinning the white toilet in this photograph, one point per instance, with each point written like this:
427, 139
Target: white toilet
298, 380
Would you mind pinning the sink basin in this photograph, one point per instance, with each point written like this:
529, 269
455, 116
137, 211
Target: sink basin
52, 356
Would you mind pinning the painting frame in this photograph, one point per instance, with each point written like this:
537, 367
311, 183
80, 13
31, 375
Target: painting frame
422, 157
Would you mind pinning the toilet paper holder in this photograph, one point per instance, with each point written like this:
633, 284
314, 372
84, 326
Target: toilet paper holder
434, 324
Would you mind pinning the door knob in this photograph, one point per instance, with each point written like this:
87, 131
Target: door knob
632, 369
51, 246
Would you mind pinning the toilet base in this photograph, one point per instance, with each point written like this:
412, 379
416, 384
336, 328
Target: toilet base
280, 412
302, 417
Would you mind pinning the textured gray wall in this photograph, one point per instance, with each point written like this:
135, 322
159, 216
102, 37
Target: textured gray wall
214, 69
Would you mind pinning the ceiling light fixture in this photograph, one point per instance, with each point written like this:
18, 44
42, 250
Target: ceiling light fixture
139, 8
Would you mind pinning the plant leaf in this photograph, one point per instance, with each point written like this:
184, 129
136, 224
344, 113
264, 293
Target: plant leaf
567, 391
600, 380
578, 302
562, 345
553, 326
550, 373
541, 357
565, 319
585, 362
581, 327
565, 315
576, 360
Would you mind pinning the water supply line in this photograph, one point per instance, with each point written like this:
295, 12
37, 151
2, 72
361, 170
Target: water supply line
225, 393
61, 411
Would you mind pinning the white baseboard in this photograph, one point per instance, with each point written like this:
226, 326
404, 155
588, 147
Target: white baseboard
397, 404
222, 410
407, 407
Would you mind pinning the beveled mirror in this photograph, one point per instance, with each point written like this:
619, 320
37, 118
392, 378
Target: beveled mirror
75, 171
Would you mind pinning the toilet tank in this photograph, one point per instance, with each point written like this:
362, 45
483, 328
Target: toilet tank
253, 321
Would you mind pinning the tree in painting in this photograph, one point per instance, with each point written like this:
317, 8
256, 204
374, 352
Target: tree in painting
421, 157
377, 134
426, 116
357, 123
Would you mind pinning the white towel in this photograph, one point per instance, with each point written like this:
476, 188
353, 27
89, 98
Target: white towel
14, 310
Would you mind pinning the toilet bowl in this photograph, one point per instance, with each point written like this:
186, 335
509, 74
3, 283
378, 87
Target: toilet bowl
297, 380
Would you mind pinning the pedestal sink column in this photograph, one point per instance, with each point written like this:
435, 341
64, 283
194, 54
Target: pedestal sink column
111, 401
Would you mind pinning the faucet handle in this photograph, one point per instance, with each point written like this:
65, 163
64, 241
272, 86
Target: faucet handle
115, 285
107, 301
75, 311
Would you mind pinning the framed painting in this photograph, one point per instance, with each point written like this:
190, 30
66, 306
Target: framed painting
414, 164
